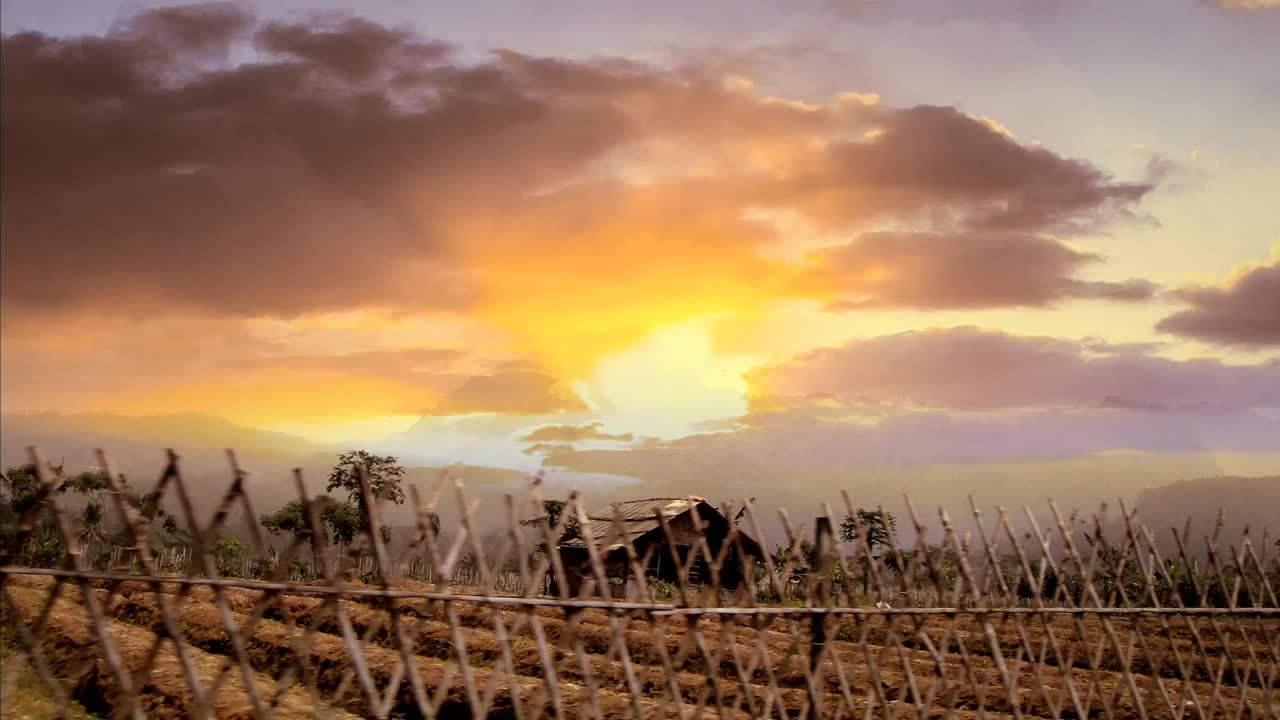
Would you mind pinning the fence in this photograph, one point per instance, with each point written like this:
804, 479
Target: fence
1049, 617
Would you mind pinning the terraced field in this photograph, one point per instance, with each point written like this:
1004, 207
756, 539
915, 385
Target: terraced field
311, 655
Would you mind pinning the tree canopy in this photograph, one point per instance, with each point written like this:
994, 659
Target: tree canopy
877, 524
554, 510
385, 477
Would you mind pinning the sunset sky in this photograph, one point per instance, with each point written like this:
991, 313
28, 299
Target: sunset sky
573, 233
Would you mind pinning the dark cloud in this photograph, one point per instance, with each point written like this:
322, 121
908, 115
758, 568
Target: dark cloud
1245, 312
354, 165
969, 369
574, 433
205, 29
139, 174
955, 171
964, 270
354, 48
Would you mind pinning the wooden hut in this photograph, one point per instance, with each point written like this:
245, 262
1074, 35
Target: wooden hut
688, 519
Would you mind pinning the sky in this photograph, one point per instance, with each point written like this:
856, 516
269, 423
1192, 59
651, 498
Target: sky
611, 237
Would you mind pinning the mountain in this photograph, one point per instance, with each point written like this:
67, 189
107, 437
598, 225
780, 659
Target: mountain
136, 447
1245, 502
73, 432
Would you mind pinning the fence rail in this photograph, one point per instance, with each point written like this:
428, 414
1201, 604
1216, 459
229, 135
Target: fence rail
686, 610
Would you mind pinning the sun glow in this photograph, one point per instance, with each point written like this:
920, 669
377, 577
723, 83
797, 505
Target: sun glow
670, 383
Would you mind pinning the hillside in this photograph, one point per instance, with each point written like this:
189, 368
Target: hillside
1251, 502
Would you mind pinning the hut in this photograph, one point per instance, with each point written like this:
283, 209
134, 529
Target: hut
688, 519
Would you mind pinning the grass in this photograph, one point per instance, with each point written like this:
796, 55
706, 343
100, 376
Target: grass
29, 700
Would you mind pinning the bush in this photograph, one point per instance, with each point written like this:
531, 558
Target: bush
662, 589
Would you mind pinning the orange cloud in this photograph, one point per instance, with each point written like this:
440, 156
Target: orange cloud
570, 205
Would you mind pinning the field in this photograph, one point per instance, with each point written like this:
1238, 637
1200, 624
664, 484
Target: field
484, 660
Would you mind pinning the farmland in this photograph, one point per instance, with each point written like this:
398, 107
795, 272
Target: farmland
468, 655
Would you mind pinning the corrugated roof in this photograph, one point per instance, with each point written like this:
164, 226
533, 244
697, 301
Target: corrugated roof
638, 518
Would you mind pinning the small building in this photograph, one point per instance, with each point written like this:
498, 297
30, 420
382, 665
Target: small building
641, 530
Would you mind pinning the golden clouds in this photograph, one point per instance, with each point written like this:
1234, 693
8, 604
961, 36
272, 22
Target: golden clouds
562, 209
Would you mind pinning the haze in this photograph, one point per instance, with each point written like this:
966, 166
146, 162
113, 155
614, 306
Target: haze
1019, 248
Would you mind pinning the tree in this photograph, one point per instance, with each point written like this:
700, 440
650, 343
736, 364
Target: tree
18, 489
878, 527
345, 521
20, 486
385, 477
348, 519
91, 519
148, 505
91, 535
554, 510
227, 553
292, 519
877, 524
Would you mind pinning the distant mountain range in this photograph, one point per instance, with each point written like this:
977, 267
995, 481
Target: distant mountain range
136, 446
1245, 502
76, 432
1157, 484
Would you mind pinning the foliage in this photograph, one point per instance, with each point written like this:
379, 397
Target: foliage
662, 589
19, 487
878, 526
45, 548
344, 521
91, 534
228, 554
91, 483
292, 519
554, 509
385, 477
1048, 585
228, 547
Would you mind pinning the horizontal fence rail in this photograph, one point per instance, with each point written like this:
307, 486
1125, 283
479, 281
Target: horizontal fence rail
122, 603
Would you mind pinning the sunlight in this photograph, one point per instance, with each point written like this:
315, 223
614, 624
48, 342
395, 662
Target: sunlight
670, 382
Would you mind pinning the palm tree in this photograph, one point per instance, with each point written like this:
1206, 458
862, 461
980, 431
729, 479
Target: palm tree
91, 534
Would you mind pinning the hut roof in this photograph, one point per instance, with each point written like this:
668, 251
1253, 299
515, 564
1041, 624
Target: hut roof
639, 517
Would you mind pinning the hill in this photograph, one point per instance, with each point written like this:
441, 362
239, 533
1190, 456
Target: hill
1250, 502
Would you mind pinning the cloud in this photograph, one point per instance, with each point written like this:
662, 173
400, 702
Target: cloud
917, 438
969, 369
351, 165
1249, 4
946, 413
355, 49
1244, 312
197, 30
963, 270
545, 448
956, 171
1074, 457
254, 376
574, 433
515, 390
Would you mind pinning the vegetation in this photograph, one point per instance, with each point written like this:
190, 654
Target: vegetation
95, 527
877, 525
554, 510
343, 520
